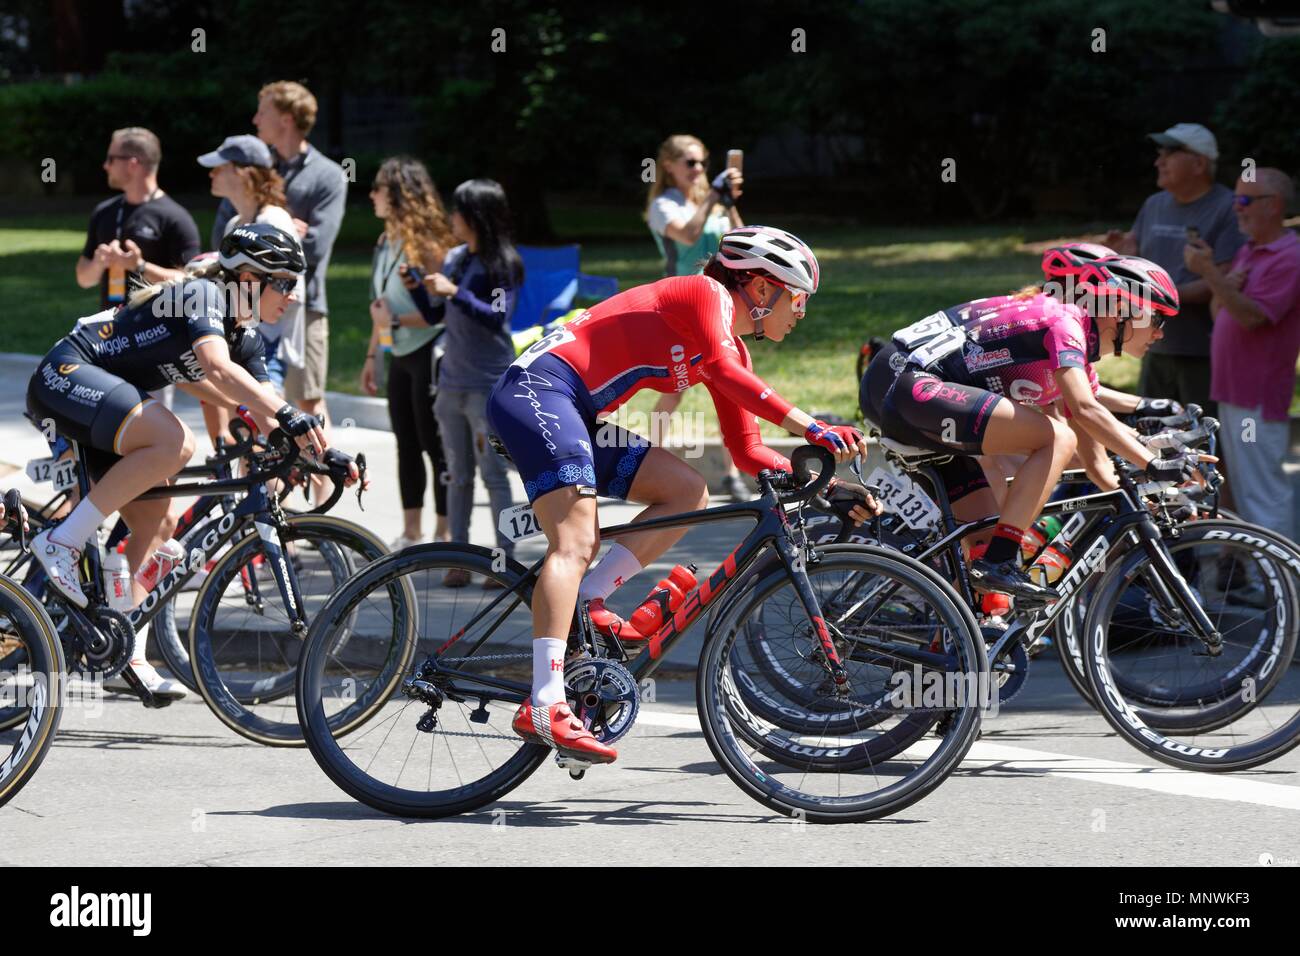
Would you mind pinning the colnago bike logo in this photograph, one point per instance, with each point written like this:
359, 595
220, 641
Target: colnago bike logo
1126, 713
160, 592
37, 699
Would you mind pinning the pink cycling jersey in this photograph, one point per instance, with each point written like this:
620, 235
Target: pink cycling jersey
668, 336
1009, 344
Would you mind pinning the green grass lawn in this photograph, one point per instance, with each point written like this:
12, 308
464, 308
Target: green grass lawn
875, 280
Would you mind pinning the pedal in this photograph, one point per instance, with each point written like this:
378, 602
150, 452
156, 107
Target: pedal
576, 766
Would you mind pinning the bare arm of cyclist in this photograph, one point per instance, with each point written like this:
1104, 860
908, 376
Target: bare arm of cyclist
1122, 403
1093, 458
1093, 418
206, 391
232, 380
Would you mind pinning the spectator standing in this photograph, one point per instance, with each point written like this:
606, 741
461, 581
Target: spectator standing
316, 191
243, 173
688, 216
142, 236
415, 234
474, 295
1256, 307
1178, 366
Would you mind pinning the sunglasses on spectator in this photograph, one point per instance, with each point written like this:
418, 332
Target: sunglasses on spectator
1244, 201
693, 163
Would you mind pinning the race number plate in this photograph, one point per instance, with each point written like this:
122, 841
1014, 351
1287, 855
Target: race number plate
906, 499
518, 523
62, 474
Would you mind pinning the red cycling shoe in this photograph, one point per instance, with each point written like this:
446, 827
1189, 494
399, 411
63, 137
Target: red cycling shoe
607, 622
555, 726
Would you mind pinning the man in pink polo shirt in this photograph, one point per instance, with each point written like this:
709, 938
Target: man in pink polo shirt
1256, 309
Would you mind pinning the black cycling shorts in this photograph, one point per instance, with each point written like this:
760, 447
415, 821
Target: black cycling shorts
923, 421
86, 403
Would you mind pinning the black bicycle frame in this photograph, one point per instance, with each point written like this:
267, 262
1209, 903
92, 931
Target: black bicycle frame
205, 541
772, 529
1093, 546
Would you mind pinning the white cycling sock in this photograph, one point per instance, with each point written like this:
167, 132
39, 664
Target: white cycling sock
618, 566
77, 527
548, 671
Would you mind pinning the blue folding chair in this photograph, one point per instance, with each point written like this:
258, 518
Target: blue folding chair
552, 281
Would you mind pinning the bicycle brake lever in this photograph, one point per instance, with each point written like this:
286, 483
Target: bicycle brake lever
361, 477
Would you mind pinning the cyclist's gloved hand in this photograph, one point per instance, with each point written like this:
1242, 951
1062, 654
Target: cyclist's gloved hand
722, 186
295, 421
1178, 469
841, 439
1157, 407
853, 501
341, 464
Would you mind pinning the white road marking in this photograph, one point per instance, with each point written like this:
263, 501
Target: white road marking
1153, 777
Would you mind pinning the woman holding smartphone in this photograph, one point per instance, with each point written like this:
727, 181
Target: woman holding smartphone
416, 236
688, 215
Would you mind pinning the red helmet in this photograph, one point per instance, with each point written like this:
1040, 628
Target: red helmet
1073, 258
1139, 282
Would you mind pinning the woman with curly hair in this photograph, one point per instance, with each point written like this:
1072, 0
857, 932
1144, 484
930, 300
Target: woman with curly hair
416, 236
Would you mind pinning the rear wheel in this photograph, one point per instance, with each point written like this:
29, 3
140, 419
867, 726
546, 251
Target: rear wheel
32, 676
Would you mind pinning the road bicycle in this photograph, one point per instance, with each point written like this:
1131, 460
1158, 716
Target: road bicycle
266, 572
445, 747
31, 673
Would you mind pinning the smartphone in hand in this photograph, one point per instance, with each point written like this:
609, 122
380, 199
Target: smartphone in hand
736, 159
1193, 233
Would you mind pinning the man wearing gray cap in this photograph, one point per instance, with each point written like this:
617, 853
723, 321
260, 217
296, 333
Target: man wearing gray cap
1190, 205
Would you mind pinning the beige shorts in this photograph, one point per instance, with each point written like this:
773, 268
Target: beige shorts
308, 383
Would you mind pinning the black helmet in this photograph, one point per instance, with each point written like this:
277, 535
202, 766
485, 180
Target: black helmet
262, 249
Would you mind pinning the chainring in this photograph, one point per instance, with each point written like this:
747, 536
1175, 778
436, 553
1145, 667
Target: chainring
1009, 684
604, 696
107, 661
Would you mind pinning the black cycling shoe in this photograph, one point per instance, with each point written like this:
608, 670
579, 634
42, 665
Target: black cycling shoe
1009, 578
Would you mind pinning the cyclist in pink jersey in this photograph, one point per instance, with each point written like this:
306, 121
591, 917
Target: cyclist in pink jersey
666, 336
943, 384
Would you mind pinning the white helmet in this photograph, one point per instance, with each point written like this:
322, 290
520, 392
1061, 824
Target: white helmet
773, 253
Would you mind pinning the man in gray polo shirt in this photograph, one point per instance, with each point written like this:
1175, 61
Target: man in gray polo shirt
316, 190
1178, 366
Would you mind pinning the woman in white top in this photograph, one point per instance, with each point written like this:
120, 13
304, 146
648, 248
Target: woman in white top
688, 215
243, 171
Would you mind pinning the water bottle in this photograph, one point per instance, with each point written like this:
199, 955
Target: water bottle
1052, 564
1034, 540
169, 554
666, 598
117, 580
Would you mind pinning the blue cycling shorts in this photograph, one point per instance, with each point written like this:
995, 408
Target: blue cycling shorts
545, 418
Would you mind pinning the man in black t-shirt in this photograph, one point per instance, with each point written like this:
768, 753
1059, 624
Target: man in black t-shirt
142, 236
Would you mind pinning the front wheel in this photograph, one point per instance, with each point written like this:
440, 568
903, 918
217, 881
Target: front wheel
242, 641
908, 672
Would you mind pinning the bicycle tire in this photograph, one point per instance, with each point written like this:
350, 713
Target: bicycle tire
322, 734
715, 703
232, 704
41, 706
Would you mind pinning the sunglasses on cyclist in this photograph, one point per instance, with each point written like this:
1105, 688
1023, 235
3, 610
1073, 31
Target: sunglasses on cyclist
282, 284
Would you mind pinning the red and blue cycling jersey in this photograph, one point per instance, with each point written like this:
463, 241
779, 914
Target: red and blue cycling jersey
667, 336
1010, 344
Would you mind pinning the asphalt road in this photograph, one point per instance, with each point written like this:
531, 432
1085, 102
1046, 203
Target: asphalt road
1048, 783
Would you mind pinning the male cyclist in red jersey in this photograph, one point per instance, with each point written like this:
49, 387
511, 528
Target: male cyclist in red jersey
667, 336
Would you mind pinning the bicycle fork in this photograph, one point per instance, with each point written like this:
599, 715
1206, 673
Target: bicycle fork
793, 558
1172, 588
286, 578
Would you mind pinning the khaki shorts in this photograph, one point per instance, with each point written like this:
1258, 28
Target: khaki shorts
308, 383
